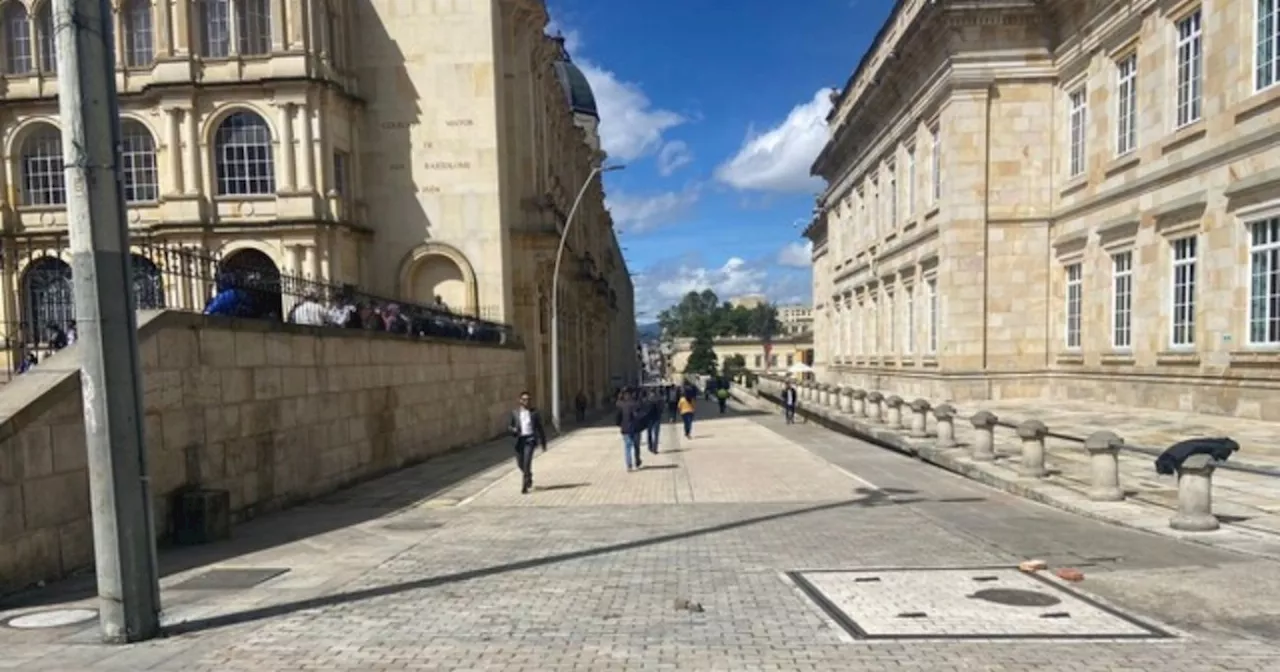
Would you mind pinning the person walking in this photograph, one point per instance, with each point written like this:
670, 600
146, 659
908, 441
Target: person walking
722, 397
653, 419
789, 397
686, 413
526, 426
630, 419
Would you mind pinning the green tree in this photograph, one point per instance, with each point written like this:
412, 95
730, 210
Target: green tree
734, 365
702, 358
704, 310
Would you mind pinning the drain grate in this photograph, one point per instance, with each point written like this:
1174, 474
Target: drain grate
231, 579
964, 603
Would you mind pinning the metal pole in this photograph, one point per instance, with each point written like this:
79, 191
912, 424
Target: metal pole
555, 294
119, 490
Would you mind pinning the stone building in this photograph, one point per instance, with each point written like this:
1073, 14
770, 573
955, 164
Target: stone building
779, 353
415, 148
1069, 199
795, 318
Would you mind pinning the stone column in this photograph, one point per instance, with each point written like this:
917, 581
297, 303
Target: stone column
826, 395
308, 174
1104, 463
288, 162
894, 416
192, 153
874, 411
846, 400
1032, 433
984, 445
1195, 496
859, 397
945, 414
919, 418
173, 138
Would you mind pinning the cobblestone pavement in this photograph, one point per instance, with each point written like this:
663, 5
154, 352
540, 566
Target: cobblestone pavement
586, 572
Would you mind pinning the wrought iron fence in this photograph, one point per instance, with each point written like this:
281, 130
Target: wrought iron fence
245, 284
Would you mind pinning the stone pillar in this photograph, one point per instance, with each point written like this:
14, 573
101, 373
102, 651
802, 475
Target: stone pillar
173, 138
288, 162
874, 412
859, 397
1104, 463
1195, 496
985, 444
308, 172
846, 399
894, 416
826, 395
945, 414
191, 153
919, 419
1032, 433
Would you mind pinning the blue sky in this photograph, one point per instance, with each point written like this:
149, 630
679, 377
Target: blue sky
717, 107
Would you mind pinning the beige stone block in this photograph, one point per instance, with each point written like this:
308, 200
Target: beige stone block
278, 348
68, 447
217, 348
35, 450
213, 463
303, 350
178, 348
237, 385
75, 541
32, 557
162, 389
12, 520
55, 500
201, 387
293, 381
267, 383
222, 423
182, 428
251, 348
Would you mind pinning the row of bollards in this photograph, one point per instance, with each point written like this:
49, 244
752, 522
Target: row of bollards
1195, 473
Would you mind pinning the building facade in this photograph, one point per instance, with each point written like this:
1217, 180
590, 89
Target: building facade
417, 149
795, 318
780, 352
1069, 199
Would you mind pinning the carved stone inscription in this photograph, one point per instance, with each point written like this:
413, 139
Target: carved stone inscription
448, 165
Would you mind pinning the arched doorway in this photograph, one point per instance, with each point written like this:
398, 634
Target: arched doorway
255, 273
439, 271
148, 284
47, 296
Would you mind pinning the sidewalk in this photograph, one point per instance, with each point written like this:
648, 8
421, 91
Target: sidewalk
1247, 504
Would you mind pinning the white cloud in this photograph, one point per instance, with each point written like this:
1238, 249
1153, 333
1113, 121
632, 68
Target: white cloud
673, 156
630, 127
663, 285
797, 255
639, 213
779, 158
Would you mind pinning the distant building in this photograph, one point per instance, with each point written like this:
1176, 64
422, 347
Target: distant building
748, 301
796, 318
783, 351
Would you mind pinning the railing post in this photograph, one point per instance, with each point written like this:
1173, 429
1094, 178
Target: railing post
859, 398
846, 401
1032, 433
945, 414
985, 443
1104, 463
874, 411
919, 418
825, 394
1195, 495
894, 403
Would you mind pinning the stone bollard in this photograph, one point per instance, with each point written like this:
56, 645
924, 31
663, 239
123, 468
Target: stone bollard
1104, 462
984, 447
874, 412
1032, 433
826, 395
810, 390
919, 419
859, 398
946, 417
894, 418
1195, 495
846, 398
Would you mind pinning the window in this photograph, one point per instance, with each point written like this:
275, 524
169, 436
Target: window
909, 336
253, 27
935, 171
242, 24
1075, 294
42, 177
1122, 300
874, 211
1266, 39
759, 361
341, 178
911, 181
17, 40
791, 359
1078, 116
892, 174
859, 331
46, 39
1127, 105
891, 323
1190, 52
1184, 292
242, 156
139, 45
931, 286
1264, 290
138, 163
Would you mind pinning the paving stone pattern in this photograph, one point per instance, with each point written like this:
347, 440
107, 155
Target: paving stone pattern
588, 578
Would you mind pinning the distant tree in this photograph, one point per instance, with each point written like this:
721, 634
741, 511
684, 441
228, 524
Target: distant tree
734, 365
703, 310
702, 358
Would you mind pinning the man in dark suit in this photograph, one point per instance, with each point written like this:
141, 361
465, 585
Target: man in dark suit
526, 426
789, 403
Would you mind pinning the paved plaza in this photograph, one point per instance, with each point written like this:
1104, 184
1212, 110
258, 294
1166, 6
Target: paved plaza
753, 546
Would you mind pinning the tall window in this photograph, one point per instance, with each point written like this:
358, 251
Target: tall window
891, 323
1184, 292
46, 38
1266, 40
859, 331
1122, 300
139, 43
935, 170
1190, 70
874, 210
1127, 104
1075, 296
1264, 290
138, 163
1078, 118
244, 25
43, 182
892, 170
242, 156
341, 176
17, 40
911, 181
931, 286
909, 336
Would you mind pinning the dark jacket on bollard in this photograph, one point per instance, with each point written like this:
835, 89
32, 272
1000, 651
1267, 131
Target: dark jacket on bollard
1171, 459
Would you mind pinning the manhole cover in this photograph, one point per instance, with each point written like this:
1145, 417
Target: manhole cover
59, 618
230, 579
968, 603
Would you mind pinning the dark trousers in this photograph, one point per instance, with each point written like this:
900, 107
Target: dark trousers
524, 459
673, 408
688, 424
791, 414
582, 413
723, 402
652, 433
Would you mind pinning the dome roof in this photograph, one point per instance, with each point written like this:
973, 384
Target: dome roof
577, 90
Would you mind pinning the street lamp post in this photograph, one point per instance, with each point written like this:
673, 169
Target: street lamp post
555, 294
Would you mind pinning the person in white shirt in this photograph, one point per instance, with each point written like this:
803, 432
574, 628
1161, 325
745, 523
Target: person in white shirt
309, 311
526, 426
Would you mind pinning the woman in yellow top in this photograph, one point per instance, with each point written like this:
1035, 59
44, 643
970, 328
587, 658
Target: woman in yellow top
686, 408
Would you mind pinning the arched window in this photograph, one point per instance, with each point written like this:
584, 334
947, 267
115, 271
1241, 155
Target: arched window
47, 39
138, 163
139, 36
242, 156
46, 291
43, 182
148, 283
17, 40
240, 25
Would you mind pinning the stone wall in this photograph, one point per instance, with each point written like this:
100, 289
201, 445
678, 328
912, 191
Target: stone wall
273, 413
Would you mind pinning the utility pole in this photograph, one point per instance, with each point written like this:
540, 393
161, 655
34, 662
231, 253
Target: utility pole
119, 490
